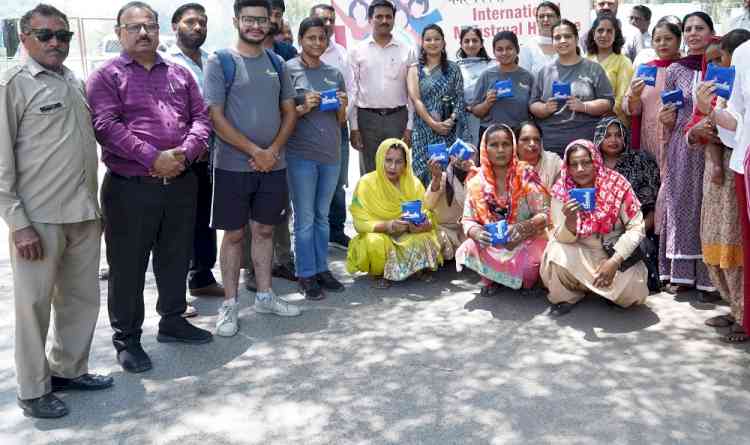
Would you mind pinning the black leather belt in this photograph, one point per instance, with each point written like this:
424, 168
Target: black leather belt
148, 179
384, 111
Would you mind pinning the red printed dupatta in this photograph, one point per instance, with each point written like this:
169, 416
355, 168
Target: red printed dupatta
612, 191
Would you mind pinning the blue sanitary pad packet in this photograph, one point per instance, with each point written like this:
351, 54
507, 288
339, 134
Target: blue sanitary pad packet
723, 79
674, 97
648, 74
329, 101
504, 88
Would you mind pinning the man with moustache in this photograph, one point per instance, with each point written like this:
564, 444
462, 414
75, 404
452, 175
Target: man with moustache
285, 50
152, 122
336, 56
382, 108
253, 113
189, 22
48, 199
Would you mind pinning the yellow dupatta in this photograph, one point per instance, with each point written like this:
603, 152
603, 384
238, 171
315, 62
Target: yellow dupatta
376, 199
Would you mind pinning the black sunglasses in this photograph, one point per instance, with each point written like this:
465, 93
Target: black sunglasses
45, 35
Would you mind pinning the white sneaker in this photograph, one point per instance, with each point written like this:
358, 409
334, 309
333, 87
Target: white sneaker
271, 304
228, 322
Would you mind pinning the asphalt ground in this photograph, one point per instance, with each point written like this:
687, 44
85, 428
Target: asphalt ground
418, 363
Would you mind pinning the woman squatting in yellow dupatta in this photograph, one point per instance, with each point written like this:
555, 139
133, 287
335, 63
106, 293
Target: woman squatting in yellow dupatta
386, 246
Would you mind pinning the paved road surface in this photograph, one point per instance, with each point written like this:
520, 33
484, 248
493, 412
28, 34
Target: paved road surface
419, 363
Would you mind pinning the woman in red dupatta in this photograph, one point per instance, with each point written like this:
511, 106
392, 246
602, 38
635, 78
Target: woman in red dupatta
504, 188
575, 261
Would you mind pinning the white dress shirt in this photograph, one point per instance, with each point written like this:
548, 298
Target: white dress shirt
379, 76
336, 56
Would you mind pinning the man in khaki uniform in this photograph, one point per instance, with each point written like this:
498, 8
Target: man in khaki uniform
48, 199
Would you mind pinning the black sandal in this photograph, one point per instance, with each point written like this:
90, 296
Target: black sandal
561, 309
720, 321
489, 290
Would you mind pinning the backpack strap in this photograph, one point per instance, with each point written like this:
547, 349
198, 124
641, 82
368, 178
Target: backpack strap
277, 66
228, 67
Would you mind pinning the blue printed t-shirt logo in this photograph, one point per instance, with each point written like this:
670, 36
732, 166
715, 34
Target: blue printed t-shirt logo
329, 82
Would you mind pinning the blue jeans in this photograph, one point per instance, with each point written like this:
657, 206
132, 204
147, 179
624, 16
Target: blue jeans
311, 184
337, 216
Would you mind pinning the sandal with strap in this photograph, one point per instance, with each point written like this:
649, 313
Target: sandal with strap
736, 335
720, 321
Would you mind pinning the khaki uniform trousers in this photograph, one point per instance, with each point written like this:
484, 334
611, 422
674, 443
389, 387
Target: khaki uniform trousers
65, 280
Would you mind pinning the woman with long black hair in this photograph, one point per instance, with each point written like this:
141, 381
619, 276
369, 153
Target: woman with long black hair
437, 90
473, 60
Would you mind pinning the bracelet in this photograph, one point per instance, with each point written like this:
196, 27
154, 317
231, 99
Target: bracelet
585, 107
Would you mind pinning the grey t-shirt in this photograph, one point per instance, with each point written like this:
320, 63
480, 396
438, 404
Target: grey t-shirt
253, 105
588, 82
506, 110
317, 134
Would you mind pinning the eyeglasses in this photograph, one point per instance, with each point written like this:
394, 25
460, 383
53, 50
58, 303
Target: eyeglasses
135, 28
45, 35
249, 20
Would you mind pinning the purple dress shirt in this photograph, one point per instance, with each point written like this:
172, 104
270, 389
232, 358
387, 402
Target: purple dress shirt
138, 113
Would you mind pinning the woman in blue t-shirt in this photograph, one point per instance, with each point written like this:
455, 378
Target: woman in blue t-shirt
313, 156
510, 105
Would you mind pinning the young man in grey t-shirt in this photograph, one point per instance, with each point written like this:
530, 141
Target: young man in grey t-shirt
253, 116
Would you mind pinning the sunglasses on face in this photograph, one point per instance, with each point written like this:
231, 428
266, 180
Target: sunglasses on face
45, 35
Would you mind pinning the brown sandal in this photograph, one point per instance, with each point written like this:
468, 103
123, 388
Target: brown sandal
720, 321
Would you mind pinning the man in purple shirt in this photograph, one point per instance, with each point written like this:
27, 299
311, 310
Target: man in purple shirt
151, 121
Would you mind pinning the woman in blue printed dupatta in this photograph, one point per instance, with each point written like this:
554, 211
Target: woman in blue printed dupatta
436, 88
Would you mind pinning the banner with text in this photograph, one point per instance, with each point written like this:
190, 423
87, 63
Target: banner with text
490, 16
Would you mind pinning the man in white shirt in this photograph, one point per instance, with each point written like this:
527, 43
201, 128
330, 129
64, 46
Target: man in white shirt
190, 24
640, 19
382, 108
336, 56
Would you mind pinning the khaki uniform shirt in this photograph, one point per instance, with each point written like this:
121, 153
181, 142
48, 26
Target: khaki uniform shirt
48, 161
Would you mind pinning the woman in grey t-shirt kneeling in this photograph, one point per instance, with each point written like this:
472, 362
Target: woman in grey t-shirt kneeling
570, 94
313, 156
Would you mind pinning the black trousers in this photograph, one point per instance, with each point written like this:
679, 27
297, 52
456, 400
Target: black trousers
141, 219
204, 237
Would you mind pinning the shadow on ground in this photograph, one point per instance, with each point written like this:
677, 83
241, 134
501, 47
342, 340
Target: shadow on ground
418, 363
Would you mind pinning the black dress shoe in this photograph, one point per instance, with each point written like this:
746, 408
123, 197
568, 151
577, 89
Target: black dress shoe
86, 382
285, 271
328, 282
134, 359
178, 330
311, 289
46, 407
